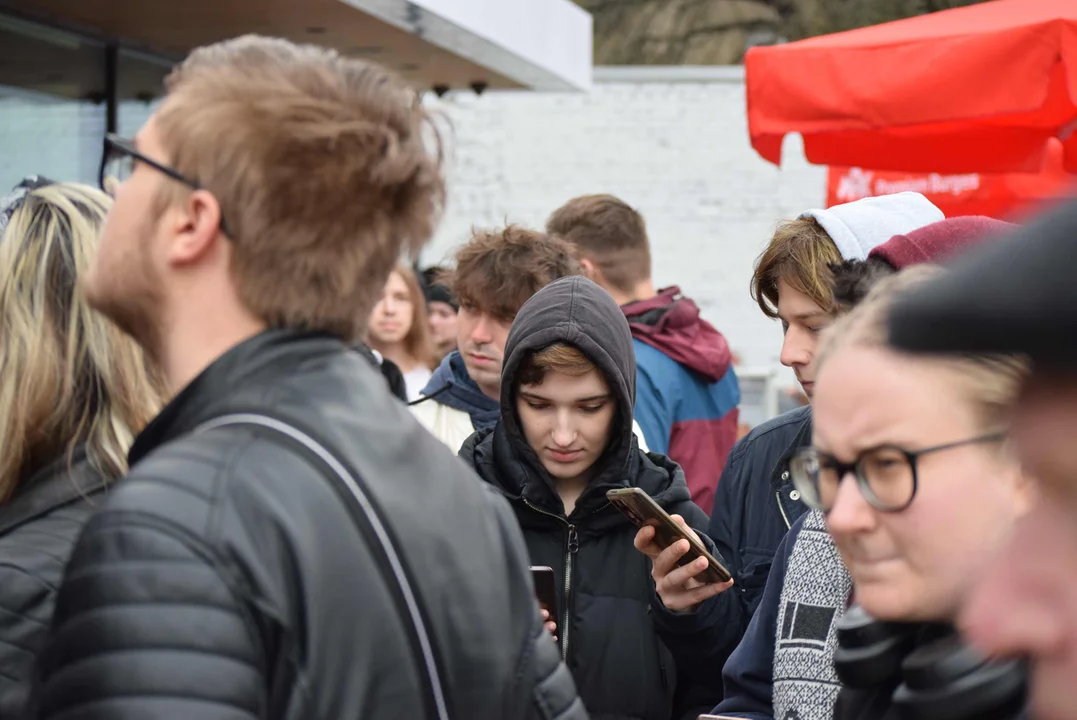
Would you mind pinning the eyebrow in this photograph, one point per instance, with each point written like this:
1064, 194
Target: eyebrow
814, 315
593, 398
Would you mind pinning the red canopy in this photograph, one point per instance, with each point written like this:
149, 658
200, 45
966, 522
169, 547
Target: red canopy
975, 89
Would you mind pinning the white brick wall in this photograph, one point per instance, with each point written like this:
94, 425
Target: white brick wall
672, 142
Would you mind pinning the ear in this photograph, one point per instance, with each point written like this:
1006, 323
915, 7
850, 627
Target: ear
197, 229
590, 271
1026, 490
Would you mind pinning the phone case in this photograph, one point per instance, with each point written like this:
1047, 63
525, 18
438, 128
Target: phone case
642, 510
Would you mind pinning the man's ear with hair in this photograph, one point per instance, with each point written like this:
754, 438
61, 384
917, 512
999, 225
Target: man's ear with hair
591, 272
196, 228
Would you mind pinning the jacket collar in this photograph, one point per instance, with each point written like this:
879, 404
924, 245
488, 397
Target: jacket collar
254, 363
779, 475
65, 480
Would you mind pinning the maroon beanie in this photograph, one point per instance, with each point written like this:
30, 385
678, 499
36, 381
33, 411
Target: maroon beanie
938, 241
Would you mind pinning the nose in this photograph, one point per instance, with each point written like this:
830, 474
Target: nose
851, 513
481, 334
388, 305
564, 430
798, 348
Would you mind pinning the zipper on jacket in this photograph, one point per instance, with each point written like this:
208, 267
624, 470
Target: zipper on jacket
781, 508
572, 547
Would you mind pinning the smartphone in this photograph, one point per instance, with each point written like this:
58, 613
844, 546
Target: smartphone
545, 589
642, 510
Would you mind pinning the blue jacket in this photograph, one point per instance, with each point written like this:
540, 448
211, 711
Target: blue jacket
753, 509
686, 390
748, 677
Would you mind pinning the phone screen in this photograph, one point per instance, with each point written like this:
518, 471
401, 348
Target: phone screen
545, 589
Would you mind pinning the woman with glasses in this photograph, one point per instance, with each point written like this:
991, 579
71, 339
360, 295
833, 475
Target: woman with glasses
74, 392
909, 475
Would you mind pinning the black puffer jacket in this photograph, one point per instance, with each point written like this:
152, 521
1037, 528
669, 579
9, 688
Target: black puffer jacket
605, 591
38, 529
228, 577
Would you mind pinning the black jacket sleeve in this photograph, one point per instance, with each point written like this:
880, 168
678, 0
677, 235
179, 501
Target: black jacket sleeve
147, 625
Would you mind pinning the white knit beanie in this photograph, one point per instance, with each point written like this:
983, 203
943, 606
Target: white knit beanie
857, 227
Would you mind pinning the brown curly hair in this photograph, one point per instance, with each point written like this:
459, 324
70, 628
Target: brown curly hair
499, 270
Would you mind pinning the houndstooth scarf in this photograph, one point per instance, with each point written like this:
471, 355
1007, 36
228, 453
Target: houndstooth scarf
814, 596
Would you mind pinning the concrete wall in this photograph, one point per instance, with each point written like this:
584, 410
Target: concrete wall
673, 142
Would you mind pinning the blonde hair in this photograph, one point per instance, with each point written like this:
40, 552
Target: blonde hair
801, 253
326, 168
559, 357
991, 382
70, 377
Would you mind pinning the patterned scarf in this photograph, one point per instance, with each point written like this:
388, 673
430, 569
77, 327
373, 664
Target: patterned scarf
814, 597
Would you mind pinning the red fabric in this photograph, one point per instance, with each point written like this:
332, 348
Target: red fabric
974, 89
1004, 196
681, 333
938, 241
703, 446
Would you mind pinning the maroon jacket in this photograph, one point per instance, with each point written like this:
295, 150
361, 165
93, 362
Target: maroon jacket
686, 391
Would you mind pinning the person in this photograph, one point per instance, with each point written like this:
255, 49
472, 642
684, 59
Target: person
899, 441
253, 561
1017, 296
442, 309
496, 272
756, 503
687, 391
77, 391
766, 677
399, 331
564, 440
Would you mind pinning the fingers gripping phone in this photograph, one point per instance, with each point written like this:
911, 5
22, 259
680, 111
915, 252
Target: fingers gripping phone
642, 510
545, 589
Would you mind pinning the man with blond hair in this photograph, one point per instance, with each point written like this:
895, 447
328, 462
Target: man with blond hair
289, 542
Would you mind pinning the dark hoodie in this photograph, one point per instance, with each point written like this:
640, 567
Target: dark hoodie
451, 385
605, 591
688, 392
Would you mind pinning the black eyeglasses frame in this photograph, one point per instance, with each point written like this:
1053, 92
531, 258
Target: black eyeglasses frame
114, 144
911, 456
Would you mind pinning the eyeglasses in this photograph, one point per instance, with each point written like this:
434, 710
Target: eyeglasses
886, 475
118, 162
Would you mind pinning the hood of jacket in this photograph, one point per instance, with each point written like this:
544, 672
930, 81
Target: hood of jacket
451, 385
671, 324
575, 311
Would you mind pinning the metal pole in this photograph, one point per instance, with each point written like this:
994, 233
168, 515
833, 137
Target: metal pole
112, 87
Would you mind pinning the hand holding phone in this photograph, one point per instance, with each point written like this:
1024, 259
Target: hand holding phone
546, 594
685, 573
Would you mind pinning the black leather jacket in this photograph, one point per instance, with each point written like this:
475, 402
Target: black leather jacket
38, 529
227, 576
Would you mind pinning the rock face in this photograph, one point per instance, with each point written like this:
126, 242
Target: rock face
718, 32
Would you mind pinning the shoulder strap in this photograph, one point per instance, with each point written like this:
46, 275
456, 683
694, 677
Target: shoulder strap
365, 509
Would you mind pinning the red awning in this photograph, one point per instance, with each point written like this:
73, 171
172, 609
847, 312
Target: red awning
1006, 196
975, 89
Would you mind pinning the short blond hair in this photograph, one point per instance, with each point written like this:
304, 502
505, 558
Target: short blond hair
326, 168
70, 376
991, 382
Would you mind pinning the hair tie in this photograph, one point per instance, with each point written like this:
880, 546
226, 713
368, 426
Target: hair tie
14, 200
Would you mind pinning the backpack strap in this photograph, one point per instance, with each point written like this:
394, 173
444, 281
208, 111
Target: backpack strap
364, 512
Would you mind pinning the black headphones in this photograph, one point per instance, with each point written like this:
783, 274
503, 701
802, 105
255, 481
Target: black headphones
937, 676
